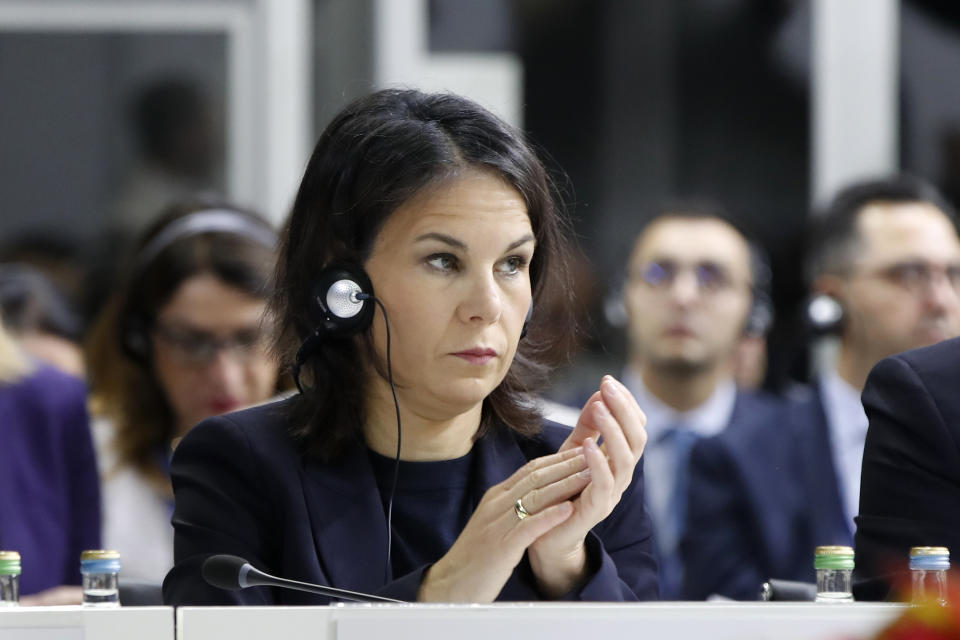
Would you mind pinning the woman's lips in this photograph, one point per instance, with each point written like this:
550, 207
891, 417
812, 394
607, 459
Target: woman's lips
223, 405
477, 356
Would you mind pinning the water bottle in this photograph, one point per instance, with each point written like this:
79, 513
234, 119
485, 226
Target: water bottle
928, 574
834, 565
100, 570
9, 578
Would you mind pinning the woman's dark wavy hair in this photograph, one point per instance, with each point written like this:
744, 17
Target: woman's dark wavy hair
374, 156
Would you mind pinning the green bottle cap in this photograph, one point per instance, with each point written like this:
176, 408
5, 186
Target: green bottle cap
9, 563
833, 557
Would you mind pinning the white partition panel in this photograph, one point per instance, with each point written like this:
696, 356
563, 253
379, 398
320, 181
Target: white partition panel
77, 623
268, 76
401, 58
555, 621
854, 110
236, 623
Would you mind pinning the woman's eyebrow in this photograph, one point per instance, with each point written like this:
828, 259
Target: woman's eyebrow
442, 237
524, 240
453, 242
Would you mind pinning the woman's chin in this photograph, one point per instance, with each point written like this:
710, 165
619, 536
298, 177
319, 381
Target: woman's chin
463, 396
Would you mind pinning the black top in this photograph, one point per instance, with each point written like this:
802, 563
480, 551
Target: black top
431, 506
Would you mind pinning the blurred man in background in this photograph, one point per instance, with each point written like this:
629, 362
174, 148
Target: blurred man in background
886, 255
694, 289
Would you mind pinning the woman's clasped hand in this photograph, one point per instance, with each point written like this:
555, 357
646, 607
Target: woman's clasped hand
547, 507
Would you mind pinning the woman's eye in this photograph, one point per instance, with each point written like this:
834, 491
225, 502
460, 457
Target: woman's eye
513, 265
442, 262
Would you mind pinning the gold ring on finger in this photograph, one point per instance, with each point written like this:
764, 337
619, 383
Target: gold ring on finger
520, 510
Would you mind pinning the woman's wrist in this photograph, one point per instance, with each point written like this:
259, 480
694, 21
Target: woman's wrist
559, 574
430, 588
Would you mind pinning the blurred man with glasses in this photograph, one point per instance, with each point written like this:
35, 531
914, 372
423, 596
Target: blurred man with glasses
886, 255
695, 287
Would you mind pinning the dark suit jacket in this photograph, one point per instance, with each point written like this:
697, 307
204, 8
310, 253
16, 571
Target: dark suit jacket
763, 495
910, 485
243, 488
49, 489
746, 407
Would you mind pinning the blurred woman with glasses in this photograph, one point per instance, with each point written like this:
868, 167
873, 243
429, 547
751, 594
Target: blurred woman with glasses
185, 337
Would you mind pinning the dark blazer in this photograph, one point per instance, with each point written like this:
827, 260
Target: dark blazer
49, 489
910, 485
243, 488
763, 494
747, 406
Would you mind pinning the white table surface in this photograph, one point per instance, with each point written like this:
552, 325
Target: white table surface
78, 623
553, 621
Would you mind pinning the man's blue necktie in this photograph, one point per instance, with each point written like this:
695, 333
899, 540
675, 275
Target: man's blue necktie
680, 439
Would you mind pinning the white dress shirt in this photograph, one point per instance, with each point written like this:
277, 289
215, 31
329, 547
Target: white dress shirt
847, 424
709, 419
136, 518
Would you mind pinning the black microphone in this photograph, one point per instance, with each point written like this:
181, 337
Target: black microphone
233, 573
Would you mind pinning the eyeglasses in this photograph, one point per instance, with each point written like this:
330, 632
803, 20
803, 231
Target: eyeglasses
917, 276
709, 276
200, 348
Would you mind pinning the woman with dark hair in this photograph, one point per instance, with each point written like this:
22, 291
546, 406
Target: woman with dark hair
415, 464
183, 339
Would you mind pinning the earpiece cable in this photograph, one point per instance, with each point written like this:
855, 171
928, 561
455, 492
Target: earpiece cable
396, 462
302, 354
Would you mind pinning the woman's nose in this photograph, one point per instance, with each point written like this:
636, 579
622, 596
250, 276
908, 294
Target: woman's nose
482, 302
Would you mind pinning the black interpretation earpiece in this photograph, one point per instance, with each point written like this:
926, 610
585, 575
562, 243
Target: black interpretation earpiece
135, 339
760, 317
824, 314
341, 305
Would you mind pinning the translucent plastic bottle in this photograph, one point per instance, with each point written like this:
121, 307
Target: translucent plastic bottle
100, 570
928, 574
9, 578
834, 565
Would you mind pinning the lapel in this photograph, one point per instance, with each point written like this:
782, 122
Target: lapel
498, 455
819, 476
763, 462
346, 513
347, 519
763, 440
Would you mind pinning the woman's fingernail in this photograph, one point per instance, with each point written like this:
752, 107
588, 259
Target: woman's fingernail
610, 386
601, 410
585, 474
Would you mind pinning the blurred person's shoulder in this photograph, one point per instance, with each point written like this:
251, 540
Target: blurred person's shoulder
266, 425
760, 422
48, 387
936, 362
46, 405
